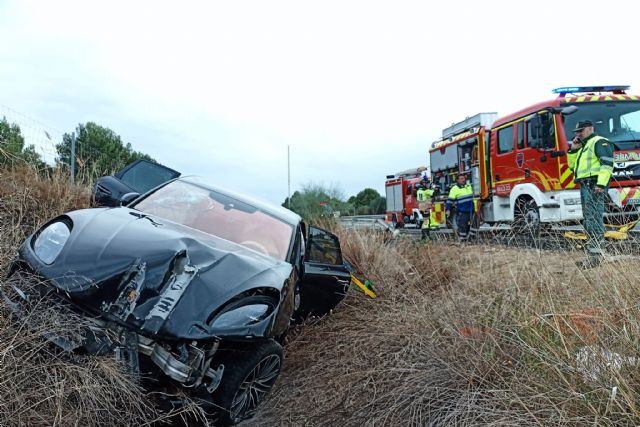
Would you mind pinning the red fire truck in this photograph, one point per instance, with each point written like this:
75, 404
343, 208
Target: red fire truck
518, 165
402, 203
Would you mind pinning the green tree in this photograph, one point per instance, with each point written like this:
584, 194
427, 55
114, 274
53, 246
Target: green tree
315, 201
368, 202
99, 151
12, 149
378, 205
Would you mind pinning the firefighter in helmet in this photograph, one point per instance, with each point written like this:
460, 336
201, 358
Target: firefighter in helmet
424, 195
591, 160
462, 195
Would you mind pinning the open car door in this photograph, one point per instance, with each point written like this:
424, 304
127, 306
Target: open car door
326, 278
137, 177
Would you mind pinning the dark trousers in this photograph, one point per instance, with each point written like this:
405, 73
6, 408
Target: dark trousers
463, 219
593, 214
425, 226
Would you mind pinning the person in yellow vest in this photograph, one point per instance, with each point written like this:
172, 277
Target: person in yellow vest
424, 196
462, 195
591, 160
433, 215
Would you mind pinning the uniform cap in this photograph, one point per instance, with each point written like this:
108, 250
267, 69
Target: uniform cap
582, 124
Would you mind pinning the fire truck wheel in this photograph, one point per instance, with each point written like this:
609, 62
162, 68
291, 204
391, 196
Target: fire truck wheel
395, 223
527, 217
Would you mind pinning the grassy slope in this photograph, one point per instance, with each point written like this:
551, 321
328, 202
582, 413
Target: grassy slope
459, 335
467, 335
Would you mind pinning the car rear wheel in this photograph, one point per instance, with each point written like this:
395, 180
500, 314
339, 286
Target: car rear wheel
250, 373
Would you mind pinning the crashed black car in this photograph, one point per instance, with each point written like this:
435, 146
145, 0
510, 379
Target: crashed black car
187, 283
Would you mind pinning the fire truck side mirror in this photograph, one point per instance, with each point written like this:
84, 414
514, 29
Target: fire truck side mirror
569, 110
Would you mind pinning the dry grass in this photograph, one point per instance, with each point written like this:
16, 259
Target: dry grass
42, 386
467, 335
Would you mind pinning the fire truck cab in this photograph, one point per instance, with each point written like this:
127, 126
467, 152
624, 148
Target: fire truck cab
517, 164
401, 194
528, 174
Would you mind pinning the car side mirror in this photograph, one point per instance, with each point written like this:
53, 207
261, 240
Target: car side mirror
128, 198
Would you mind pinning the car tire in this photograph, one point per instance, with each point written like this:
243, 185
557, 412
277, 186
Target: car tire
249, 374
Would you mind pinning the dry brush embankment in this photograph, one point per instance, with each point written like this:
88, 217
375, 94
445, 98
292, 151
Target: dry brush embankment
459, 335
468, 335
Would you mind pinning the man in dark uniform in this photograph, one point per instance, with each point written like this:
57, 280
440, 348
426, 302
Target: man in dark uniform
591, 160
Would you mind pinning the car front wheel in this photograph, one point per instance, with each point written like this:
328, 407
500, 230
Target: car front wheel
249, 375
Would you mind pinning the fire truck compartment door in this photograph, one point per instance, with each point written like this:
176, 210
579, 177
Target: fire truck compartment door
394, 197
445, 158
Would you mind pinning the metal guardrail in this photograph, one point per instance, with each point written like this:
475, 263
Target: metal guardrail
376, 222
371, 222
551, 238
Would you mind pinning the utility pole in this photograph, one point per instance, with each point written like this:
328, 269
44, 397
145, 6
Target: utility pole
72, 160
288, 179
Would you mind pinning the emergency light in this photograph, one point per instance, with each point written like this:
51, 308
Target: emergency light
575, 89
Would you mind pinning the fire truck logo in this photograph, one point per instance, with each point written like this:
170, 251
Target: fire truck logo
625, 156
520, 159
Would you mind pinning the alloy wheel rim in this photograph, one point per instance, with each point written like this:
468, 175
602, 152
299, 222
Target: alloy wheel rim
255, 387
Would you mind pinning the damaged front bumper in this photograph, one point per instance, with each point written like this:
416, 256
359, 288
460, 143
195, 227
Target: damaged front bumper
188, 364
193, 372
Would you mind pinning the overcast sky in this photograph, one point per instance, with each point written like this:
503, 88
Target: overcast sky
358, 90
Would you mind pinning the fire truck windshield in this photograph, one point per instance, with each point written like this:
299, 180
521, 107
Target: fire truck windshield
619, 122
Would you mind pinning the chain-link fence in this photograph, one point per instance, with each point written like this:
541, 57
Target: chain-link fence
84, 153
42, 137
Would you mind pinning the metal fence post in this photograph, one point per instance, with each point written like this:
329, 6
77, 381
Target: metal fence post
72, 160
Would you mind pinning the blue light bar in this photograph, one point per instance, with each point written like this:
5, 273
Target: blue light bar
576, 89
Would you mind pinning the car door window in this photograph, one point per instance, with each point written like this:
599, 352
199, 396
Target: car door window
323, 247
144, 176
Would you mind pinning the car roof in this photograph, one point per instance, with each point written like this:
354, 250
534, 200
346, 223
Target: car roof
277, 211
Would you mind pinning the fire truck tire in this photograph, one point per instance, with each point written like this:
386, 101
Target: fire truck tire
527, 217
394, 221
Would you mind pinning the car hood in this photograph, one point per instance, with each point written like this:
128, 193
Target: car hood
164, 278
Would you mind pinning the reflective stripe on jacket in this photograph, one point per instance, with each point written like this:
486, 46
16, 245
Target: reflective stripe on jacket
593, 160
463, 196
424, 195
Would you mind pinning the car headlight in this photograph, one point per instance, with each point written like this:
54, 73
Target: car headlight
242, 316
51, 240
